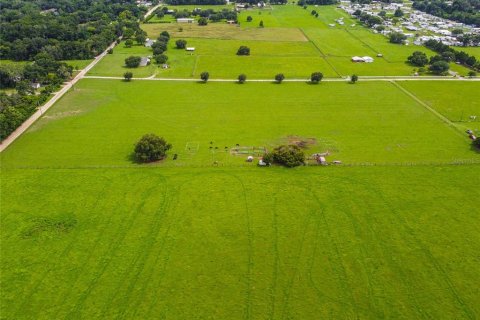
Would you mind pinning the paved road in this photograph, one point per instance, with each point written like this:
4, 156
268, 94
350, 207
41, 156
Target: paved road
34, 117
373, 78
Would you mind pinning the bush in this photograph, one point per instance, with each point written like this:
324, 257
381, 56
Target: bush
151, 148
397, 37
163, 39
418, 59
286, 155
353, 78
279, 78
204, 76
439, 67
249, 19
472, 74
165, 34
181, 44
129, 43
159, 47
242, 78
160, 58
110, 51
261, 24
316, 77
243, 51
133, 61
128, 76
476, 143
202, 21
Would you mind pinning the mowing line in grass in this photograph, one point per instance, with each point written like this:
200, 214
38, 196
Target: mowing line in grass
321, 52
435, 112
428, 254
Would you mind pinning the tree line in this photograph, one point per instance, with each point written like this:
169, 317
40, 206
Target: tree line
17, 107
64, 29
450, 54
197, 2
466, 11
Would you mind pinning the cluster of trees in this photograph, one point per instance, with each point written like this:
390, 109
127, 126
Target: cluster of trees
370, 1
316, 2
286, 155
160, 46
17, 107
196, 2
368, 19
397, 37
449, 54
133, 61
64, 29
438, 64
468, 39
466, 11
216, 16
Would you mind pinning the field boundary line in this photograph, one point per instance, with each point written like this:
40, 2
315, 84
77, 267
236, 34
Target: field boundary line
363, 42
306, 79
429, 108
324, 56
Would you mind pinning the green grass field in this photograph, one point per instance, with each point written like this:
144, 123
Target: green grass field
391, 233
285, 25
455, 100
368, 122
88, 234
113, 65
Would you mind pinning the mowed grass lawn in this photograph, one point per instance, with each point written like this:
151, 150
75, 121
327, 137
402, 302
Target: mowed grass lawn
113, 65
87, 234
370, 122
267, 58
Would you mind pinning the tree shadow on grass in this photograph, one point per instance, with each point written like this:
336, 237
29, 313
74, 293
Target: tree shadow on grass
474, 148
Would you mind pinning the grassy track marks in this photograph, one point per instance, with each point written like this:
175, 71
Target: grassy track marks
120, 235
428, 254
248, 302
273, 288
140, 259
338, 266
286, 295
65, 251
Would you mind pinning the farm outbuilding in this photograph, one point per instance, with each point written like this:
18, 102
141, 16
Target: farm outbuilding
145, 61
185, 20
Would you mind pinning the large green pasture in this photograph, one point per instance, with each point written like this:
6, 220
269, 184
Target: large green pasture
285, 24
455, 100
88, 234
218, 243
369, 122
